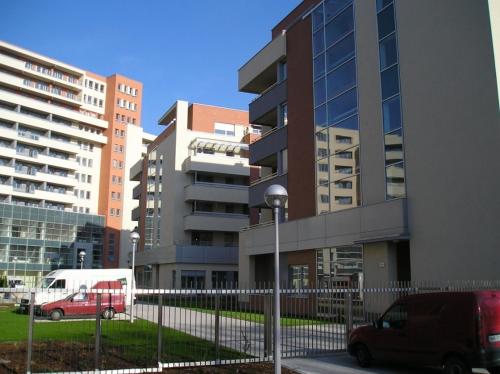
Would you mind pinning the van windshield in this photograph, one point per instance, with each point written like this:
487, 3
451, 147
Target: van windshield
46, 282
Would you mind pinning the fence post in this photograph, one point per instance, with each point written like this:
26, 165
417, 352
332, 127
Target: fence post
97, 331
268, 325
160, 327
217, 328
348, 315
30, 332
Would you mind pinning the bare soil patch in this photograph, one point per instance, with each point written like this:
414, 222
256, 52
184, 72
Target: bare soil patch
58, 356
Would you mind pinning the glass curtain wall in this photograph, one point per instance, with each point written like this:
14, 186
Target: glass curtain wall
391, 100
335, 107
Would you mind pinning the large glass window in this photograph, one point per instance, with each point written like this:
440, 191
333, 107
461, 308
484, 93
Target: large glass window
386, 22
193, 279
337, 136
341, 79
333, 7
320, 91
342, 106
391, 110
391, 101
340, 52
298, 276
390, 82
339, 27
388, 52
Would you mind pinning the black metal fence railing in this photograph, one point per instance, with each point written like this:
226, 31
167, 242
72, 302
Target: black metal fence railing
98, 329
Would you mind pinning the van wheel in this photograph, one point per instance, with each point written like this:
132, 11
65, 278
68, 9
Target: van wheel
108, 314
455, 365
495, 370
363, 356
55, 315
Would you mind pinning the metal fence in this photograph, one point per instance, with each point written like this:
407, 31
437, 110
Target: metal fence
180, 328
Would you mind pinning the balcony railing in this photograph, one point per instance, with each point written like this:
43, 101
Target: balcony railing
262, 179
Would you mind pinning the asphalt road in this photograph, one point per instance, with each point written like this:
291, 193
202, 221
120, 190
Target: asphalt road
342, 363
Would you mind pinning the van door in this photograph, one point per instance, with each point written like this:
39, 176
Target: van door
425, 329
391, 337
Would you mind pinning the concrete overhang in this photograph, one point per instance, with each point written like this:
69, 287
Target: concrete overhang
260, 71
373, 223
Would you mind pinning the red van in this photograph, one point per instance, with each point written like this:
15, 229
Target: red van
454, 330
85, 303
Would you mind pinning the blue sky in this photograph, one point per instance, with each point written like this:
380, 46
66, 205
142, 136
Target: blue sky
180, 49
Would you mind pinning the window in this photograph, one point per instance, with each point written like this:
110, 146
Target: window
91, 162
89, 178
319, 91
340, 26
118, 212
342, 106
60, 284
390, 82
224, 129
340, 52
343, 200
341, 79
88, 195
298, 276
323, 167
193, 279
325, 199
82, 194
388, 52
396, 317
391, 110
112, 211
386, 23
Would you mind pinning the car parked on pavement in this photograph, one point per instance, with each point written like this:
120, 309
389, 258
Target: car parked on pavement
454, 330
84, 303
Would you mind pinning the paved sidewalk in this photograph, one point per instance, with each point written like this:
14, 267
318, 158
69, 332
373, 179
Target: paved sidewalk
342, 363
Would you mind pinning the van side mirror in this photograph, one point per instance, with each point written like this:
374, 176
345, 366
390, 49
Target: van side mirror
378, 323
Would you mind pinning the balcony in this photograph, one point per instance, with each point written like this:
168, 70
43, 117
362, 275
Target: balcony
136, 213
71, 115
226, 193
39, 140
136, 171
136, 192
22, 67
264, 148
261, 109
216, 164
28, 85
213, 221
199, 254
260, 71
257, 189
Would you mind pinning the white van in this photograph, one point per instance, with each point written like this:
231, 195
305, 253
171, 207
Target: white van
59, 284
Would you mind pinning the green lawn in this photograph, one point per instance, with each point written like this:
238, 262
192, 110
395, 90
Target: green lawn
136, 342
259, 317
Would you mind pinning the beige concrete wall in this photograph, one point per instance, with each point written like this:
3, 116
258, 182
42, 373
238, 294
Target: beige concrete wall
452, 133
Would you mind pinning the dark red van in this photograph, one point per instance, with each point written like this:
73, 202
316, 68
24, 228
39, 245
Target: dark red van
85, 303
454, 330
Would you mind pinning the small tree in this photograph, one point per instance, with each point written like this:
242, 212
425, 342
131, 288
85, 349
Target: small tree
3, 281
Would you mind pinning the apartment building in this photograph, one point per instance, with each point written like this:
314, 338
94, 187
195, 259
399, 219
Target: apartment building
383, 125
64, 133
193, 198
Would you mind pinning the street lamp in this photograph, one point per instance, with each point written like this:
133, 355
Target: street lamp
134, 238
14, 260
276, 197
82, 254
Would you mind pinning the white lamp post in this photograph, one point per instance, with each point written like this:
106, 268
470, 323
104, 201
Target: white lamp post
82, 254
276, 197
134, 238
14, 260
